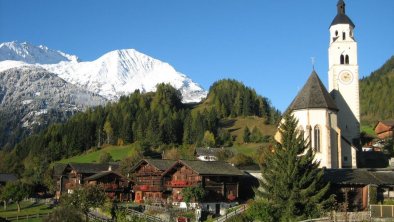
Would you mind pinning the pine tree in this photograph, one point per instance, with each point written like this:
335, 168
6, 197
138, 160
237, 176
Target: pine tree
292, 183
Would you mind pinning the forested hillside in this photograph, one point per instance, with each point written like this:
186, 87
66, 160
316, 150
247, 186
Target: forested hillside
154, 120
377, 94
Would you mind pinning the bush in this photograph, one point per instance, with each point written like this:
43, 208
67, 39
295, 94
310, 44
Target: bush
261, 210
64, 214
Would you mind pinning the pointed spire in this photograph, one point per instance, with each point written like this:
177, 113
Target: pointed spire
341, 7
313, 95
341, 17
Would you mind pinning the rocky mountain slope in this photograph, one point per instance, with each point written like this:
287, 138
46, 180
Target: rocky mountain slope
31, 98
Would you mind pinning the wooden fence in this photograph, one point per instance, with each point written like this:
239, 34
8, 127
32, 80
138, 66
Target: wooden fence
26, 217
382, 211
237, 211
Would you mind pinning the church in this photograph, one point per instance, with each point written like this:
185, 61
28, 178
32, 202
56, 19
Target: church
330, 119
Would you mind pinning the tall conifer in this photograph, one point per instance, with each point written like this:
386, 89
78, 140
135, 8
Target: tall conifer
292, 183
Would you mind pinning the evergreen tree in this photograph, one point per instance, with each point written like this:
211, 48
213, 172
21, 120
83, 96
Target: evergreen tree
292, 183
246, 135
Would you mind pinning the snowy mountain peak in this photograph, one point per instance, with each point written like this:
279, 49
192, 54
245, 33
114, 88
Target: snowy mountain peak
29, 53
116, 73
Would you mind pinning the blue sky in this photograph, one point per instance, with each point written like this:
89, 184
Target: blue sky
267, 45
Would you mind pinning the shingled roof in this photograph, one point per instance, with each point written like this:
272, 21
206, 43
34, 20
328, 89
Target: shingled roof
359, 176
92, 167
160, 164
313, 95
103, 174
212, 167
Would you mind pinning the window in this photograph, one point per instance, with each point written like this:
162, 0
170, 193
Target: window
336, 33
309, 135
316, 141
301, 131
342, 60
346, 59
343, 35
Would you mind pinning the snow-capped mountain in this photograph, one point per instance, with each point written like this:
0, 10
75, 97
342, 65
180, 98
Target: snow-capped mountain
114, 74
31, 54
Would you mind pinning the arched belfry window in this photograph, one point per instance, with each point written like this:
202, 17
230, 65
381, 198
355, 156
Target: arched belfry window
342, 60
316, 138
346, 59
343, 35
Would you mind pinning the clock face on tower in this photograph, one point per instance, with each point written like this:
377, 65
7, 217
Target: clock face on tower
346, 77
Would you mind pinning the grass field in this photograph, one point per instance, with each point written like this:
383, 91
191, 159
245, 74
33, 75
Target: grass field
117, 153
368, 129
27, 208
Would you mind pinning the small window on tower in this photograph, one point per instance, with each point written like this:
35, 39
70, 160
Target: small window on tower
336, 33
342, 60
346, 59
343, 35
317, 138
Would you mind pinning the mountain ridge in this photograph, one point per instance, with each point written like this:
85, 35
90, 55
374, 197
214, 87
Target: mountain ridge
114, 74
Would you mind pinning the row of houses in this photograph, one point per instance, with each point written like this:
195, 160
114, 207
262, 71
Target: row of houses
157, 181
160, 181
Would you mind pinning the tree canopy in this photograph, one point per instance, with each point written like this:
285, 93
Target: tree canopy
292, 183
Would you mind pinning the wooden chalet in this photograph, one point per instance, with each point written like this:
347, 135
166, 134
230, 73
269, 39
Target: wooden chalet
220, 180
163, 180
114, 184
73, 175
384, 129
354, 186
147, 175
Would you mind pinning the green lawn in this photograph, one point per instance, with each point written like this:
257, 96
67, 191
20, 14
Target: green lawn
368, 129
117, 153
249, 149
27, 208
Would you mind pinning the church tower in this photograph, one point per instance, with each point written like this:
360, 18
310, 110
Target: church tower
343, 83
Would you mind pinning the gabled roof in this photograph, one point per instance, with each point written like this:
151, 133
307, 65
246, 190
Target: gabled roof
388, 122
103, 174
359, 176
313, 95
212, 167
7, 177
202, 151
161, 165
58, 169
92, 167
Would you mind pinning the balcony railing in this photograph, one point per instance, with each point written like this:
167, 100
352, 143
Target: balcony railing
146, 187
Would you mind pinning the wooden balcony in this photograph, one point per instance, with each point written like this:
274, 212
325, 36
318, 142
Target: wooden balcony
147, 188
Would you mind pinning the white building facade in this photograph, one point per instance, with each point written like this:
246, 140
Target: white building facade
331, 121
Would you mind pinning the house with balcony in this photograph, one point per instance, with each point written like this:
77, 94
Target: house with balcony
147, 176
73, 175
163, 180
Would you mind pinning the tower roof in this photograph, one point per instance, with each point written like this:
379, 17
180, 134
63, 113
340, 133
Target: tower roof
341, 17
313, 95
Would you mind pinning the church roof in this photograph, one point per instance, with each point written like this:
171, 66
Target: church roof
313, 95
341, 17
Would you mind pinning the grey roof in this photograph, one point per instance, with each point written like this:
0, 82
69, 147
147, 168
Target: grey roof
160, 164
313, 95
212, 167
58, 169
103, 174
7, 177
92, 167
341, 17
202, 151
359, 176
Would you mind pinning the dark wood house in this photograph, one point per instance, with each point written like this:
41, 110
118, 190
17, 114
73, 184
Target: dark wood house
73, 175
163, 180
353, 186
114, 184
220, 180
147, 176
